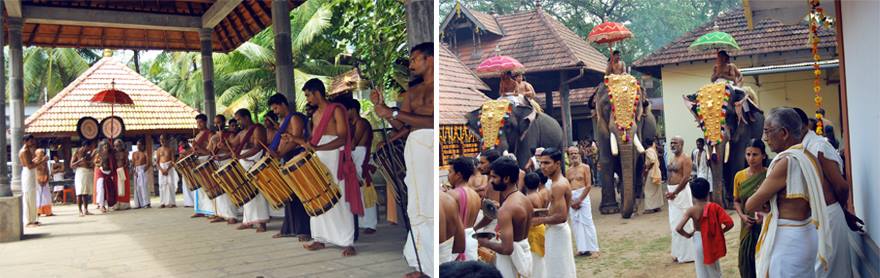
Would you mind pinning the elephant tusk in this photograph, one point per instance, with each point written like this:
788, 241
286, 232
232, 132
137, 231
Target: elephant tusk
613, 144
726, 151
639, 147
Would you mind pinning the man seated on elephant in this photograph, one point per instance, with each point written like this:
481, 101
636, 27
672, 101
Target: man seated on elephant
726, 70
615, 64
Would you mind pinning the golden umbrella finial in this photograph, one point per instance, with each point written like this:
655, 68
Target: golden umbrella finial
108, 52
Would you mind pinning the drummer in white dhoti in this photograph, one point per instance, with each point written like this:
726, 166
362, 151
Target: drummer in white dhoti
579, 176
28, 181
679, 196
796, 231
558, 251
416, 116
332, 144
141, 196
362, 139
221, 146
84, 175
167, 175
251, 140
513, 253
467, 202
203, 205
452, 237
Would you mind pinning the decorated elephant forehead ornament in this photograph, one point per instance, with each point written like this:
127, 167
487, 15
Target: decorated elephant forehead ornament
492, 118
623, 94
711, 109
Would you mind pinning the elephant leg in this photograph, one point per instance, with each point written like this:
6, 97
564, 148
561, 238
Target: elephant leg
609, 189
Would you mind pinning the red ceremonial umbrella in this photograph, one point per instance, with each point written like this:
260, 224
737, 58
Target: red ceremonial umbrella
609, 32
112, 97
499, 64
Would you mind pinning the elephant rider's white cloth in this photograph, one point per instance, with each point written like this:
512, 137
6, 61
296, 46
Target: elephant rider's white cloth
83, 181
582, 224
701, 167
654, 189
167, 184
444, 250
225, 208
521, 100
370, 218
203, 204
518, 263
470, 245
794, 249
420, 197
815, 144
704, 270
682, 248
28, 195
256, 211
558, 252
335, 226
841, 261
141, 196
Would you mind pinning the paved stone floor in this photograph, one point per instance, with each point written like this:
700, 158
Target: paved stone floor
168, 243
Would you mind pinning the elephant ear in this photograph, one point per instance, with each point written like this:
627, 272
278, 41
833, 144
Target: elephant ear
520, 117
473, 122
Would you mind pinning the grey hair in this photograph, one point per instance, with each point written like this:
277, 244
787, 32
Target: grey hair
787, 119
679, 138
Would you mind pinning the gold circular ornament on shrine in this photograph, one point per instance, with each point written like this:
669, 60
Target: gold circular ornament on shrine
87, 128
112, 127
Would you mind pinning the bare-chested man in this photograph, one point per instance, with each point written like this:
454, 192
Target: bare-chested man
283, 147
203, 206
513, 254
726, 70
539, 196
579, 176
331, 142
615, 64
252, 138
28, 180
452, 237
221, 148
362, 140
44, 193
142, 166
84, 176
106, 177
167, 175
558, 250
467, 200
416, 116
120, 155
679, 176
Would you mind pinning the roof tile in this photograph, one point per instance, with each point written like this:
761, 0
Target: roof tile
460, 89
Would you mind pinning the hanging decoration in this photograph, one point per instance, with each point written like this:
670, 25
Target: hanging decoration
817, 20
493, 115
623, 94
711, 109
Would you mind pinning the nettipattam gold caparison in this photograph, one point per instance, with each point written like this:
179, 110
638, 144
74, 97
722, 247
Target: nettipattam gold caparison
711, 110
623, 93
492, 116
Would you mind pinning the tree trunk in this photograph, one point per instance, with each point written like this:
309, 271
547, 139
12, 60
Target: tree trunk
137, 62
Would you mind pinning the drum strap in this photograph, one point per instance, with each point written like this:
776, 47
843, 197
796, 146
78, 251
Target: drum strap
345, 169
247, 137
277, 140
201, 140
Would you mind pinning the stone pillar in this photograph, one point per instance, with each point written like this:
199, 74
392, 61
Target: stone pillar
284, 81
17, 97
566, 108
208, 73
5, 190
419, 22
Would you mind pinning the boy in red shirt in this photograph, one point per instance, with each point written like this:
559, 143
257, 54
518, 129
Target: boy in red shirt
710, 224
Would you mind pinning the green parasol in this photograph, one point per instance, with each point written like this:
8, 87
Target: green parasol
716, 40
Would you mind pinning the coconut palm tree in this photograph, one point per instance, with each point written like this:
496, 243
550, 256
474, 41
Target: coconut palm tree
178, 74
48, 70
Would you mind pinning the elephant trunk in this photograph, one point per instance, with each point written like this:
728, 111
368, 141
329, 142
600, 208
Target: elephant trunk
716, 165
628, 176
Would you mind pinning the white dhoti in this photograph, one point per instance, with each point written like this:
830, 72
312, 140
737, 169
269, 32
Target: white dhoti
225, 208
704, 270
101, 198
582, 224
519, 263
167, 185
470, 245
682, 248
44, 195
335, 226
445, 251
538, 268
420, 196
28, 195
794, 249
370, 219
256, 211
203, 204
558, 253
654, 195
141, 196
840, 260
83, 181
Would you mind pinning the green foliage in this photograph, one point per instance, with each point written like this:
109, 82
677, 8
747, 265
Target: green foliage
376, 29
48, 70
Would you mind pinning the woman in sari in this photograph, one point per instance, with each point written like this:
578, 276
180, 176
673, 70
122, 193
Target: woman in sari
745, 183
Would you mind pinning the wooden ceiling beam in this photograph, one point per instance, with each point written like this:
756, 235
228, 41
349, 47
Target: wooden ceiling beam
253, 15
117, 19
13, 8
218, 11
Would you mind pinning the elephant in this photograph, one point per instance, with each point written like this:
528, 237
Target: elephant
521, 136
739, 127
629, 163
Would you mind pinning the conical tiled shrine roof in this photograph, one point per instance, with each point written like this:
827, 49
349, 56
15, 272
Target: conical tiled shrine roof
154, 110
